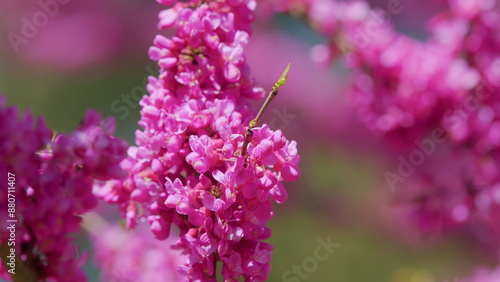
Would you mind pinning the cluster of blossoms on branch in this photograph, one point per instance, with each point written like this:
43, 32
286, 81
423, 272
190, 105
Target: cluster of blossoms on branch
53, 187
198, 164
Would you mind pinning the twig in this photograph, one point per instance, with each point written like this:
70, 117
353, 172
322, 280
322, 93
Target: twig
253, 123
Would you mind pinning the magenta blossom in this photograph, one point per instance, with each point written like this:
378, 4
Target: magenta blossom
189, 167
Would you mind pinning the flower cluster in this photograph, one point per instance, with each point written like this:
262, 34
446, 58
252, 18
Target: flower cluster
135, 256
189, 167
405, 90
53, 187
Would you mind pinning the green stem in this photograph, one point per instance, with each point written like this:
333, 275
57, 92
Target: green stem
253, 123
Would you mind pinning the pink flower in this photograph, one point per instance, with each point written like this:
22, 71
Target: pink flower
187, 168
204, 155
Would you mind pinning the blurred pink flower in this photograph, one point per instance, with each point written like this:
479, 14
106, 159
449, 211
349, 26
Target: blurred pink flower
52, 188
135, 255
70, 35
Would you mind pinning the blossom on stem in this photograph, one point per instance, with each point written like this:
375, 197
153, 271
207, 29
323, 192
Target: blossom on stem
189, 167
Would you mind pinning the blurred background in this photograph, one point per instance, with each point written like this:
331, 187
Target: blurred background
93, 54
